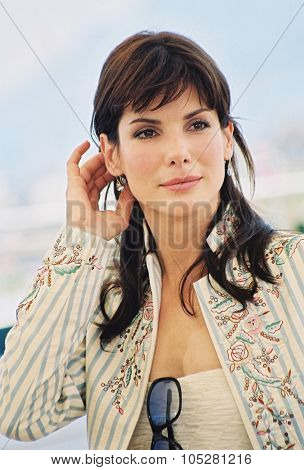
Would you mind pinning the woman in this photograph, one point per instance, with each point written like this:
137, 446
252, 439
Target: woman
106, 315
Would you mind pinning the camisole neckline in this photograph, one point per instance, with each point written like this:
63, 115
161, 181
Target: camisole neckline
196, 374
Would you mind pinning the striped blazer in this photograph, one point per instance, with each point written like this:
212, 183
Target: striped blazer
54, 371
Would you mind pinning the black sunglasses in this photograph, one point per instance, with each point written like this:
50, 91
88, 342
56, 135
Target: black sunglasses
164, 404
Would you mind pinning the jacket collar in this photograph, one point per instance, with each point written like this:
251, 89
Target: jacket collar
218, 235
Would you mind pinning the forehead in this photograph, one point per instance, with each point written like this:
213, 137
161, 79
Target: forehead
187, 100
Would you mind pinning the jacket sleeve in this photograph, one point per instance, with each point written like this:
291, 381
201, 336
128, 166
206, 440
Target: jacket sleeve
294, 267
42, 370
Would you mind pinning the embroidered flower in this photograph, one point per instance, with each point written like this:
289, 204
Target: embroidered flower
148, 312
268, 429
266, 425
238, 352
62, 261
236, 317
265, 406
132, 367
253, 324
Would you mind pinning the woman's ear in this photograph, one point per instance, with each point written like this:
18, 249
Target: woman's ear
109, 151
228, 131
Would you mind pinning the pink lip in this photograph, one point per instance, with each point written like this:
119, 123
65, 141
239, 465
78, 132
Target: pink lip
182, 186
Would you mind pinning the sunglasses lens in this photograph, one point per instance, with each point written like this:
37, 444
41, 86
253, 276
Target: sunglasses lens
164, 402
161, 444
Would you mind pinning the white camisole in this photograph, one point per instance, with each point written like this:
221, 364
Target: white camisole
209, 418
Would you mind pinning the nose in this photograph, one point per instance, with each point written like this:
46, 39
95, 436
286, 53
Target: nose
177, 154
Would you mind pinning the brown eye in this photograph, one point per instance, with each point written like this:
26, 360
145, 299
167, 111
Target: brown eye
200, 121
137, 134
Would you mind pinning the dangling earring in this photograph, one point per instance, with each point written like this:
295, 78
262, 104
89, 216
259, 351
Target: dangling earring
120, 182
229, 172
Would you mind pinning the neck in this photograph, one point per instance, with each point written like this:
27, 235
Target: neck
179, 242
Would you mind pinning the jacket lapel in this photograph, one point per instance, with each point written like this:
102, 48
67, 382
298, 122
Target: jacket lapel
118, 386
261, 359
261, 348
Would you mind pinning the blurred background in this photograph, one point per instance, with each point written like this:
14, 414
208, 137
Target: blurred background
51, 57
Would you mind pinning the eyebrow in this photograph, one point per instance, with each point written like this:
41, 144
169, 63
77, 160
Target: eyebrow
156, 121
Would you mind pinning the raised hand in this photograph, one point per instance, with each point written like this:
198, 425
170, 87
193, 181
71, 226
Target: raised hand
82, 195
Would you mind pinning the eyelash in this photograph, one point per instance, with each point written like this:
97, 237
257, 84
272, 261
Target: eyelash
136, 135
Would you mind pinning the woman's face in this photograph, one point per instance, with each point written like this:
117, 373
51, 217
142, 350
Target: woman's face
177, 146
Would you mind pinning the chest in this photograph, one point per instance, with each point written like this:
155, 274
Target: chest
183, 343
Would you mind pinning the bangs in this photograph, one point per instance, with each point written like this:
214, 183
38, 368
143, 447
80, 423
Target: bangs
148, 71
158, 73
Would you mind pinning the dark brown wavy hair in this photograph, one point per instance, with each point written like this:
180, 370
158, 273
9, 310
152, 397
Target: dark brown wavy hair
141, 68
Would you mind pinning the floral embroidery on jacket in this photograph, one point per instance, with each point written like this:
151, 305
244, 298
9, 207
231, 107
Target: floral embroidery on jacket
59, 262
255, 347
131, 367
285, 244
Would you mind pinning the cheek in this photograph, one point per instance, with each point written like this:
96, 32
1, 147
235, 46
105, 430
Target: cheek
213, 151
213, 164
212, 158
139, 166
141, 173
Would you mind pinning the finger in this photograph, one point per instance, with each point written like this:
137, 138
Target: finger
99, 184
100, 180
103, 180
89, 168
94, 162
90, 175
72, 163
94, 198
